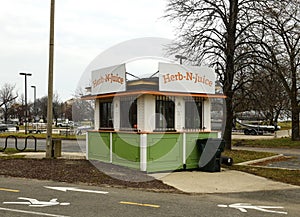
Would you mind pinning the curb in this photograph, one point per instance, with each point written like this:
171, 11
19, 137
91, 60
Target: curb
259, 160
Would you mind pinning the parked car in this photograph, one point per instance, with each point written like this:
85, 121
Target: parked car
83, 129
66, 124
3, 127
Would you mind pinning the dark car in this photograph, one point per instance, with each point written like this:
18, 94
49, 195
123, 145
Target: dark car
3, 127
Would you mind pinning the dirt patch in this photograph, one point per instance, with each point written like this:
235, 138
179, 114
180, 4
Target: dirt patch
81, 171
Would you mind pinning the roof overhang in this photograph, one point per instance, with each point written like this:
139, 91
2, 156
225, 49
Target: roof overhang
156, 93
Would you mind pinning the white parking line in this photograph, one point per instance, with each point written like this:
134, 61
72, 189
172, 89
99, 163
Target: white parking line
33, 213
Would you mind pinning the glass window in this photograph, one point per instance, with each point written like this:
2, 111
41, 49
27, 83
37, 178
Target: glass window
193, 113
165, 113
106, 114
128, 113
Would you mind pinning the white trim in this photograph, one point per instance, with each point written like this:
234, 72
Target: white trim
143, 152
87, 145
184, 148
110, 148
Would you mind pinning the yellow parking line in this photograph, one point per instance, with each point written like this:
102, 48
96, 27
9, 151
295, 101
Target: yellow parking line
140, 204
9, 190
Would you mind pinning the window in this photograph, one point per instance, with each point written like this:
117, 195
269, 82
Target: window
128, 113
106, 114
193, 113
165, 113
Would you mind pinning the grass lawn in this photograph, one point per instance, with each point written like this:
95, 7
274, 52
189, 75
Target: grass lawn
267, 143
240, 156
280, 175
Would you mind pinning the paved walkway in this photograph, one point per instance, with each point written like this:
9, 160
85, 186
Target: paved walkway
226, 181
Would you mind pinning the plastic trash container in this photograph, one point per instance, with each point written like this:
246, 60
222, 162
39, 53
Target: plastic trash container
210, 154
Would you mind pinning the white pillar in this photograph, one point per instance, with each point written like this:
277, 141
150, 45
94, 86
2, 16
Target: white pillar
184, 149
110, 148
143, 152
87, 145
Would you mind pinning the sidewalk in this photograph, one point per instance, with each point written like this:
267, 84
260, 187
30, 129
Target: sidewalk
226, 181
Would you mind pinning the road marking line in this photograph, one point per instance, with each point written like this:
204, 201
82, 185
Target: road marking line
33, 213
9, 190
65, 189
140, 204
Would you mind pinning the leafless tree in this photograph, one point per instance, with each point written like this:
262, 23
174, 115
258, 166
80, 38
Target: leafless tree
265, 95
216, 32
82, 109
280, 50
7, 98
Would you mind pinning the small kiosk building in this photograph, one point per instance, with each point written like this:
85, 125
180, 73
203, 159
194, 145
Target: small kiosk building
151, 124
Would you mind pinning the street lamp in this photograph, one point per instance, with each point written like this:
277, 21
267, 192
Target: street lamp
34, 102
26, 108
180, 57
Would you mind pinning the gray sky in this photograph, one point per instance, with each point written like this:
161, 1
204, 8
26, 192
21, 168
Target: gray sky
83, 29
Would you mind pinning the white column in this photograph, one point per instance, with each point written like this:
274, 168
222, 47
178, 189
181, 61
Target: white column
97, 114
87, 145
184, 148
143, 152
110, 148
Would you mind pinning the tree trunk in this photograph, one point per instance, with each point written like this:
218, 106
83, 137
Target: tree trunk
295, 123
227, 135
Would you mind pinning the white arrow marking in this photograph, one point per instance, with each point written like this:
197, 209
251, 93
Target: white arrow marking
244, 206
65, 189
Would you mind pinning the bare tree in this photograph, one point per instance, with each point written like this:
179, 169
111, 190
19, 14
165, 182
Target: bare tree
265, 95
215, 32
82, 109
7, 98
280, 50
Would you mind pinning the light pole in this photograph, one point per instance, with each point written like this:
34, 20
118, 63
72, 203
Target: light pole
26, 109
34, 102
180, 57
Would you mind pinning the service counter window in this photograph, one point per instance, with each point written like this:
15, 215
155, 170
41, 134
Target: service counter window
165, 113
106, 114
128, 113
193, 113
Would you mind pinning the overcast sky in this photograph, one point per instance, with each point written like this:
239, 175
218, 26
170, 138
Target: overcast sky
83, 29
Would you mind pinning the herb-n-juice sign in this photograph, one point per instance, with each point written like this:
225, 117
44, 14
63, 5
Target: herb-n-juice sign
180, 78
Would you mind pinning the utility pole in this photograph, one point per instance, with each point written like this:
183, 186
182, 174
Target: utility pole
49, 144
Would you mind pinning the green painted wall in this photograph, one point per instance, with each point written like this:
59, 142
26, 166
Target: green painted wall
164, 152
98, 147
126, 149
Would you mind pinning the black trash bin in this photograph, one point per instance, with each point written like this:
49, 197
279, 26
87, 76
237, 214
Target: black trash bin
210, 154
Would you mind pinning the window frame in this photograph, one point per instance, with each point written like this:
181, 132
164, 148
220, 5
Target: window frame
165, 108
129, 120
194, 110
106, 114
